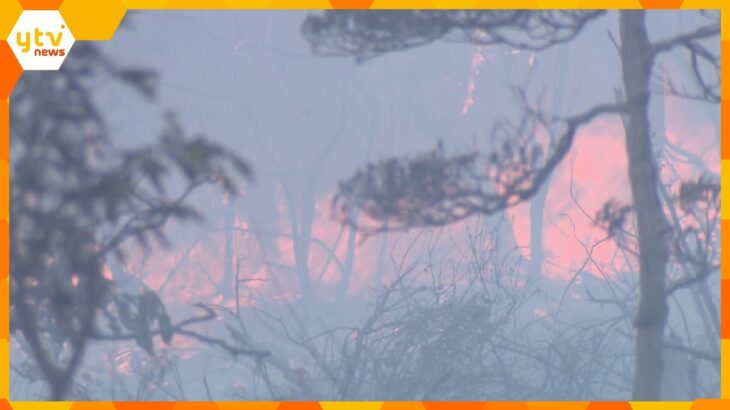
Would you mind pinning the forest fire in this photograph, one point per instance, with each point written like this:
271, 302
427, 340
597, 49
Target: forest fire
280, 237
477, 59
194, 270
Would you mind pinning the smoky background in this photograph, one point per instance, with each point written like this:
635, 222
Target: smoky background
532, 303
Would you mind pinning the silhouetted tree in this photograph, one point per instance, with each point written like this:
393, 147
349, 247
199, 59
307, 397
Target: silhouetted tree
75, 199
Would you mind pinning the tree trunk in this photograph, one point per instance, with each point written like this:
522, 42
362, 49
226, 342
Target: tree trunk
227, 283
636, 60
349, 263
537, 202
380, 267
537, 211
302, 240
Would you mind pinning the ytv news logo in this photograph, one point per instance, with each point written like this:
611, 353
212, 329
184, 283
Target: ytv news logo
40, 40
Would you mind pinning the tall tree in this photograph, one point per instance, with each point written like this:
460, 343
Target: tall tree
76, 199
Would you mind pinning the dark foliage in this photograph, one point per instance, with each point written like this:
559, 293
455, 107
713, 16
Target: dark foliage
368, 34
75, 198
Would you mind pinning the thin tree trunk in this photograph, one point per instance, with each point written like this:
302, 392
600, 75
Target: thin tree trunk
349, 263
301, 241
636, 60
537, 211
380, 267
226, 286
537, 202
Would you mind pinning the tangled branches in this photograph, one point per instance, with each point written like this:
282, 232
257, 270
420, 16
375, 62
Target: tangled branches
436, 189
368, 34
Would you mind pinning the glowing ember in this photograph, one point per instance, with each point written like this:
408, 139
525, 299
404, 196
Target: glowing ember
107, 273
477, 59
